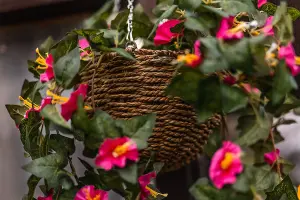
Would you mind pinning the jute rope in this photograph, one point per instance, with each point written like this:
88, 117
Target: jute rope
125, 89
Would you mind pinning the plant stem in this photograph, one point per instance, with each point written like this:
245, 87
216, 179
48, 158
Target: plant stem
73, 169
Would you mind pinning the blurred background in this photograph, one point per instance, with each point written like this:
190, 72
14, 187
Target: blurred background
26, 24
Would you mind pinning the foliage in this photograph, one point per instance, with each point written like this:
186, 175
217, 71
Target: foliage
260, 90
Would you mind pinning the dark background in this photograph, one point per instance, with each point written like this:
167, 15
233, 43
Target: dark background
23, 26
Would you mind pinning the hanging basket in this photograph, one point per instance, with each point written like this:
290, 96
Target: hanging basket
125, 89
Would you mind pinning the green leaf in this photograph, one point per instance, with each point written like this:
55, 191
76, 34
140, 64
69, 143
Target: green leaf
46, 45
49, 167
284, 187
289, 103
98, 20
287, 166
51, 113
32, 68
61, 144
123, 53
32, 183
294, 12
63, 47
253, 128
16, 112
120, 20
165, 15
269, 8
157, 167
68, 194
129, 174
236, 6
214, 10
30, 134
138, 128
189, 4
283, 83
67, 67
214, 143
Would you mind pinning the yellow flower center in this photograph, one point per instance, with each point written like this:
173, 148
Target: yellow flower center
188, 58
121, 149
41, 60
297, 60
28, 103
154, 193
238, 28
88, 195
227, 161
298, 192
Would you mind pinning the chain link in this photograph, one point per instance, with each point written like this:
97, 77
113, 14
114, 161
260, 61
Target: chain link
129, 36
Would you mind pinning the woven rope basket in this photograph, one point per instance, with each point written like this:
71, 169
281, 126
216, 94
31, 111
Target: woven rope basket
125, 89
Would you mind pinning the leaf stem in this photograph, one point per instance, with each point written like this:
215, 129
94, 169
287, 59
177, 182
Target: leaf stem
73, 169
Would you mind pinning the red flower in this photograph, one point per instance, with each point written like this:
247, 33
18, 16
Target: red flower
69, 107
89, 192
288, 54
163, 32
33, 107
49, 197
227, 32
115, 152
145, 180
192, 60
49, 73
229, 80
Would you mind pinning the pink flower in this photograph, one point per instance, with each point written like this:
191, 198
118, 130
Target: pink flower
288, 53
229, 80
50, 197
226, 32
163, 32
69, 107
261, 2
84, 44
145, 180
49, 73
89, 192
268, 28
250, 90
192, 60
33, 107
271, 157
115, 152
225, 165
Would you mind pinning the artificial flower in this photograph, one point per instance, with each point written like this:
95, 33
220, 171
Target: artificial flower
271, 157
260, 3
49, 197
268, 28
249, 89
85, 52
192, 60
32, 107
163, 32
292, 61
47, 65
115, 152
69, 105
144, 181
298, 192
227, 32
229, 80
225, 165
89, 192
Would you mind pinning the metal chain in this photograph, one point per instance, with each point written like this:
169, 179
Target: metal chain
129, 36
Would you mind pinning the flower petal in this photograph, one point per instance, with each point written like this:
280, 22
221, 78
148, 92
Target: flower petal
260, 3
84, 43
163, 32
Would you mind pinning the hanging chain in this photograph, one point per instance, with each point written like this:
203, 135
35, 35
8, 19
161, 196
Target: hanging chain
129, 36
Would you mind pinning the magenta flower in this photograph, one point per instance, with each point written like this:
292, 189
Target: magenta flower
271, 157
163, 32
89, 192
229, 80
145, 180
288, 54
226, 32
225, 165
32, 107
115, 152
49, 73
70, 106
192, 60
84, 44
268, 28
260, 3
